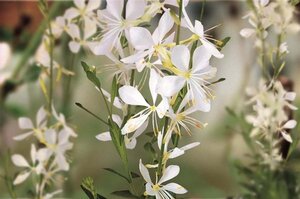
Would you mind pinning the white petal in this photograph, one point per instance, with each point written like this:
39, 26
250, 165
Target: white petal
5, 54
23, 136
211, 48
175, 188
33, 153
171, 172
201, 58
140, 38
115, 7
144, 172
44, 154
21, 178
170, 85
290, 96
50, 136
159, 139
140, 130
104, 136
90, 28
80, 3
180, 56
41, 116
190, 146
133, 124
162, 108
71, 13
164, 26
247, 32
62, 162
93, 5
199, 30
19, 160
74, 31
130, 143
153, 81
117, 119
176, 152
135, 9
25, 123
286, 136
132, 96
290, 124
74, 46
150, 191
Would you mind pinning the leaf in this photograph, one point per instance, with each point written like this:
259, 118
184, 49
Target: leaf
123, 193
221, 44
91, 74
230, 112
117, 173
114, 89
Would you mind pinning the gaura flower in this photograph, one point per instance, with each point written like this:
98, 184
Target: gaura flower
35, 167
130, 95
195, 77
113, 24
157, 188
36, 130
130, 142
198, 31
82, 9
148, 45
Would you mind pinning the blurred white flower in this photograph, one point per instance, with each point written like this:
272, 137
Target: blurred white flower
36, 130
5, 57
35, 167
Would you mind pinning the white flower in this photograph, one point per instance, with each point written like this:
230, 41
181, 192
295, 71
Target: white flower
159, 190
288, 125
130, 142
42, 56
173, 153
62, 121
198, 30
26, 124
57, 144
146, 44
114, 25
195, 77
82, 9
78, 40
20, 161
130, 95
51, 195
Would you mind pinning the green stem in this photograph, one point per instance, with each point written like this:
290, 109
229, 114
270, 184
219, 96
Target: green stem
179, 25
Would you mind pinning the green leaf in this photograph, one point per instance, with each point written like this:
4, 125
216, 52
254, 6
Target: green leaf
221, 44
91, 74
32, 74
135, 175
231, 112
114, 89
117, 173
123, 193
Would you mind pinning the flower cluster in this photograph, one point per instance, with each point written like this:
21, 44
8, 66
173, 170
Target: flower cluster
270, 120
49, 157
178, 75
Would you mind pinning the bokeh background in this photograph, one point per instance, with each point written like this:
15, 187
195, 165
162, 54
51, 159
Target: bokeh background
207, 171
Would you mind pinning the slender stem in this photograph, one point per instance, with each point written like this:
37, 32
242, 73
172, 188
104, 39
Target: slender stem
202, 10
93, 114
179, 25
51, 66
